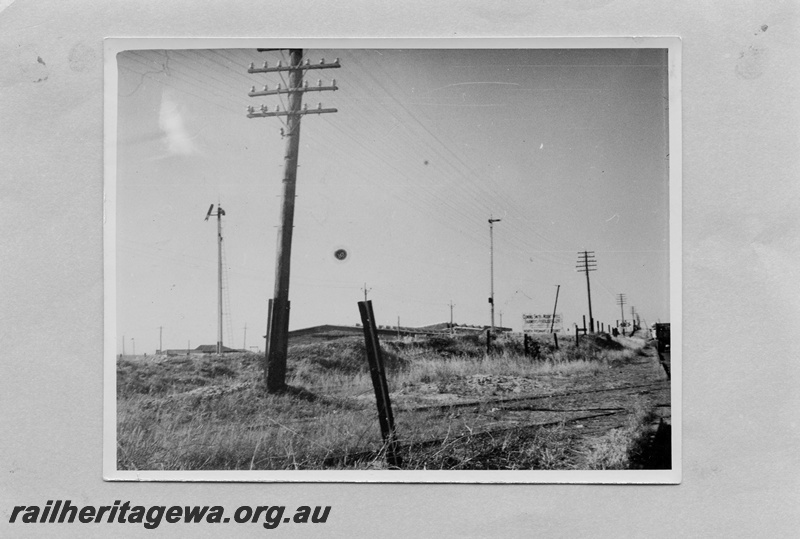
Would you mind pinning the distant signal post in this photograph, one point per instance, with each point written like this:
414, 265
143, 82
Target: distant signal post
491, 270
219, 214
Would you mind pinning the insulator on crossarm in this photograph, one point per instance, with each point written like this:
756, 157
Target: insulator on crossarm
277, 108
305, 106
265, 64
319, 82
252, 65
264, 108
336, 61
252, 89
279, 86
280, 63
265, 87
283, 134
249, 109
319, 106
322, 61
308, 62
333, 82
305, 84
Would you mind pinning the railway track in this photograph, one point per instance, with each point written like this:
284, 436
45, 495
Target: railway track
645, 388
599, 405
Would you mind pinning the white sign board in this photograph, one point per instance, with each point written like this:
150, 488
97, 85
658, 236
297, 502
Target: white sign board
541, 323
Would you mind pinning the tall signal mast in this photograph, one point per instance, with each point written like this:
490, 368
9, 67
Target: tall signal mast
219, 214
278, 317
491, 267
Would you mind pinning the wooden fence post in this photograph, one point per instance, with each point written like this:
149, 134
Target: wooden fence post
266, 346
385, 417
555, 340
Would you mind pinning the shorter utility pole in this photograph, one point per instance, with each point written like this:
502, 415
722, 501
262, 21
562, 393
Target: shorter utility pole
133, 341
553, 320
621, 303
123, 346
366, 291
587, 263
244, 341
160, 346
452, 330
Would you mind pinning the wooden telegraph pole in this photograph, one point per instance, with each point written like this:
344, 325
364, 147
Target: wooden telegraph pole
587, 263
278, 330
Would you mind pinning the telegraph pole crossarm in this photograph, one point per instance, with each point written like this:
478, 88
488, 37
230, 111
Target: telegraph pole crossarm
251, 112
280, 90
293, 66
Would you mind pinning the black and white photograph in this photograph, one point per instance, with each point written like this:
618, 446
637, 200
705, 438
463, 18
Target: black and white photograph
410, 269
461, 262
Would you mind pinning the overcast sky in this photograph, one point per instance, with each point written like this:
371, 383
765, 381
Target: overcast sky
567, 147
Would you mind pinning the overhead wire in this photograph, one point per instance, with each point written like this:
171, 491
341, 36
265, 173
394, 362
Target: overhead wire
190, 77
454, 207
521, 244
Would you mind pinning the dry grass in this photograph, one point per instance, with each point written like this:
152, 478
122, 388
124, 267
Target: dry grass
213, 413
543, 448
617, 449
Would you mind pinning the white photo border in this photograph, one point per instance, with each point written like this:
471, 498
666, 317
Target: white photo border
113, 46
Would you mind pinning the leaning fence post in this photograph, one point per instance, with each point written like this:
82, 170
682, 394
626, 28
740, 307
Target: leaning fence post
267, 337
385, 417
555, 340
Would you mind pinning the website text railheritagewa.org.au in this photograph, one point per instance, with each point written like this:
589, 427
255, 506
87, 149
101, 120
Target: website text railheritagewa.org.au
151, 517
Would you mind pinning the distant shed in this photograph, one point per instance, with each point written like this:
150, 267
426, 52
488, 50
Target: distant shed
203, 349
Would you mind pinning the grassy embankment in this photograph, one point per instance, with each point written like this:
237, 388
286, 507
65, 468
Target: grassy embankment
213, 413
